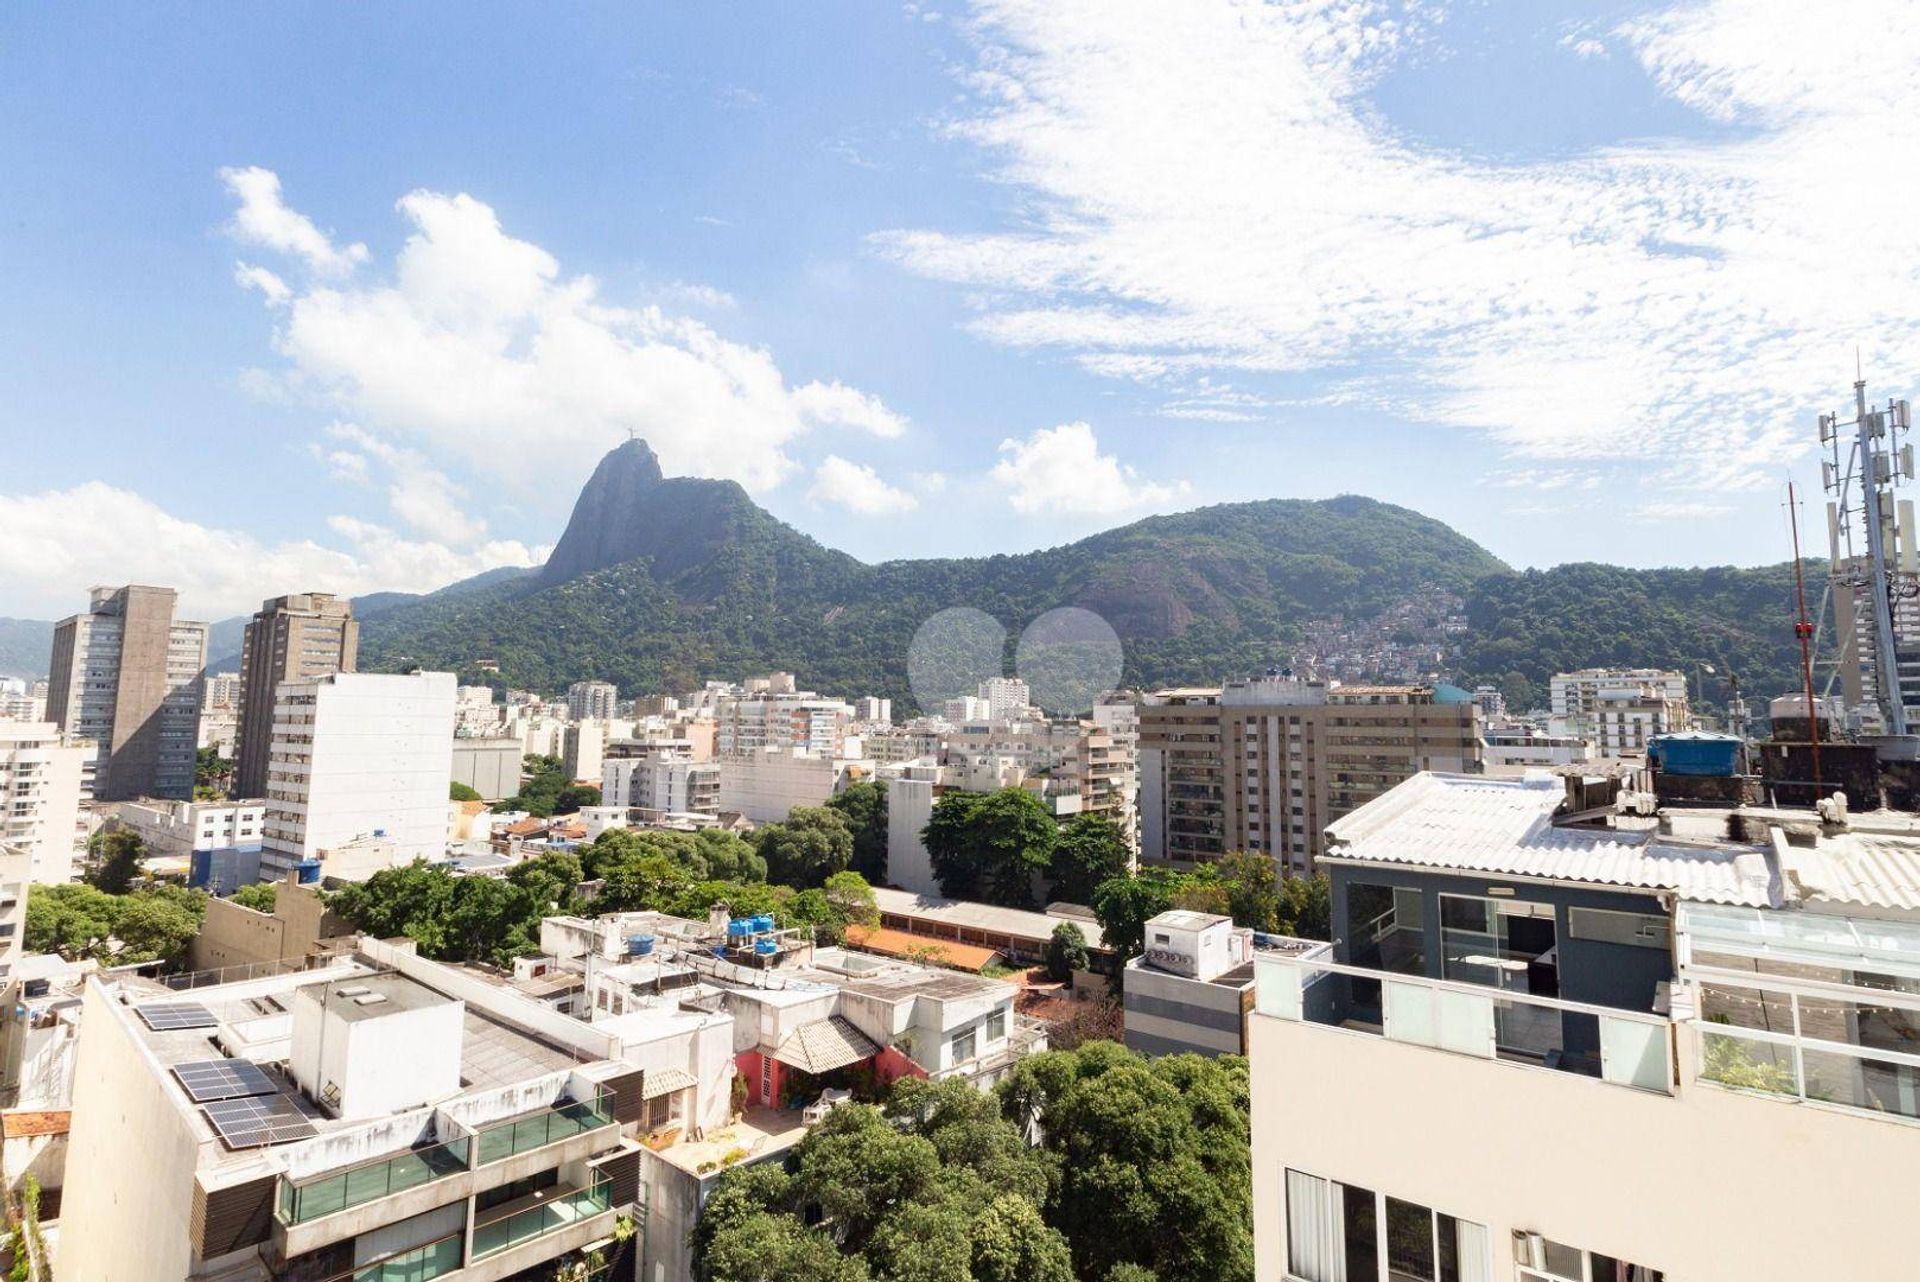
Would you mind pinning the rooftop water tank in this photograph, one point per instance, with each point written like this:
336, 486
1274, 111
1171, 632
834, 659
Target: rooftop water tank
639, 945
309, 871
766, 946
762, 924
738, 929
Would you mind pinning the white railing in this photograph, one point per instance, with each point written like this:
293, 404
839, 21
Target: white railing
1629, 1048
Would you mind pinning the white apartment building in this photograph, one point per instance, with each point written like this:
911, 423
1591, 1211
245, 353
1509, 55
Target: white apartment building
490, 765
1621, 721
41, 784
779, 718
380, 1118
598, 699
180, 829
1512, 747
1550, 1050
583, 747
126, 676
964, 708
873, 711
358, 754
666, 780
475, 712
1005, 697
1574, 694
222, 691
766, 785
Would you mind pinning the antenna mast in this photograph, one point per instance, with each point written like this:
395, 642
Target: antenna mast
1803, 629
1874, 461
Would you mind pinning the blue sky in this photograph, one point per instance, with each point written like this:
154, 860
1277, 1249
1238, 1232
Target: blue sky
304, 297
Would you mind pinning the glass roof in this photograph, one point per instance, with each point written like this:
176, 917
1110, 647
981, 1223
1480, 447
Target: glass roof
1889, 947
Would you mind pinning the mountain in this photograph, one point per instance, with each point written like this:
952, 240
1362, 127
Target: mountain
25, 647
659, 583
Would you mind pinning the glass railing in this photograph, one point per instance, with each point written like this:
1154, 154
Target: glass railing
536, 1221
434, 1260
355, 1186
1856, 1077
1626, 1048
549, 1126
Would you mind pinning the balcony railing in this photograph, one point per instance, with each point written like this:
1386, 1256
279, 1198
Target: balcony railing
357, 1185
495, 1236
1626, 1048
549, 1126
423, 1264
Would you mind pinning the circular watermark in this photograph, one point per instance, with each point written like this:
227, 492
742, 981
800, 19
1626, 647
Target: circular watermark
952, 653
1069, 658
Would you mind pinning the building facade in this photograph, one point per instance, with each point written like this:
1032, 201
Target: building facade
291, 638
359, 755
596, 699
1267, 764
126, 676
40, 793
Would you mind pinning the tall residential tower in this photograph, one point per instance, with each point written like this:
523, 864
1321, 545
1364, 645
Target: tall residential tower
292, 638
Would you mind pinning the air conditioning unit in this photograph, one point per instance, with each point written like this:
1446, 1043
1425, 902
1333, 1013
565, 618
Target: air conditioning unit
1529, 1249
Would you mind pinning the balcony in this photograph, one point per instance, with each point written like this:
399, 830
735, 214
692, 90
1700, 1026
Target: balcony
538, 1215
1620, 1047
339, 1190
563, 1121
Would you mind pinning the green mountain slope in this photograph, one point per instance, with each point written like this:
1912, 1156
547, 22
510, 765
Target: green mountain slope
659, 584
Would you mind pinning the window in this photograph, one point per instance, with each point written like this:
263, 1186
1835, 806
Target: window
1339, 1233
1544, 1260
963, 1046
1641, 930
996, 1026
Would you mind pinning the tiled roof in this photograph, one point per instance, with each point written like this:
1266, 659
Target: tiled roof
824, 1045
898, 943
1472, 823
968, 914
664, 1081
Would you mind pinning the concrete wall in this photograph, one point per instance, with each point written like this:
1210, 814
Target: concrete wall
1167, 1014
491, 767
909, 806
1709, 1184
765, 787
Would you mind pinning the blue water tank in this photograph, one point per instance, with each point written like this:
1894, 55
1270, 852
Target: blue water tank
738, 929
766, 946
1696, 752
719, 950
762, 924
309, 870
639, 945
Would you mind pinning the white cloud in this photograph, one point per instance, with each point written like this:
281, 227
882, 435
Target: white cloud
264, 219
420, 494
271, 287
929, 482
1061, 469
1678, 510
837, 405
1210, 188
480, 348
858, 488
99, 533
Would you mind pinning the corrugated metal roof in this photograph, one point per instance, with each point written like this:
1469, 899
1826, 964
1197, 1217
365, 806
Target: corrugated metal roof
1472, 823
1857, 869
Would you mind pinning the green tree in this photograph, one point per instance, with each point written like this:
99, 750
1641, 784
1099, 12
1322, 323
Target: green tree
990, 846
457, 791
259, 896
1066, 952
116, 860
1306, 907
159, 924
1123, 906
812, 845
864, 806
74, 920
1090, 849
212, 773
573, 797
852, 899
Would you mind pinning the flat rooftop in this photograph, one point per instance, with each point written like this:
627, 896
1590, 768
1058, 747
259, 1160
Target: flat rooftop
963, 914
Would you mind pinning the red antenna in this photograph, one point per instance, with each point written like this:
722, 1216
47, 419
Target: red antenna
1804, 630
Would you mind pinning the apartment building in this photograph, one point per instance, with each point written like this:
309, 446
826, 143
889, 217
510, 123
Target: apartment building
126, 676
1005, 697
1192, 989
1550, 1047
381, 1117
219, 841
490, 764
764, 785
1619, 709
359, 755
583, 746
599, 700
660, 778
1267, 764
291, 638
771, 712
41, 784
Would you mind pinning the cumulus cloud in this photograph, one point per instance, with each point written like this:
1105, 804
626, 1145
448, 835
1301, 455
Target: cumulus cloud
1061, 469
858, 488
479, 346
1210, 188
264, 219
271, 287
99, 533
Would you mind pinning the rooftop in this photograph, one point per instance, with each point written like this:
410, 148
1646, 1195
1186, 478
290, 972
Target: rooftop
967, 915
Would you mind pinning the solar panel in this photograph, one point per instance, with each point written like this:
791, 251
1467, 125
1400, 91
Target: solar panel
257, 1120
167, 1017
218, 1079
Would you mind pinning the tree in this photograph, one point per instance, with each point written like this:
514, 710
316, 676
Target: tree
1090, 849
852, 899
116, 860
574, 797
159, 925
154, 923
1066, 952
1306, 907
1153, 1158
864, 806
1123, 906
457, 791
812, 845
211, 773
259, 896
990, 846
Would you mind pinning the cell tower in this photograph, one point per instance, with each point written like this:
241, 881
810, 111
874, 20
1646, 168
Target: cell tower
1876, 574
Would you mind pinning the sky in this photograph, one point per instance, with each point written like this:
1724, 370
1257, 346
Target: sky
309, 298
